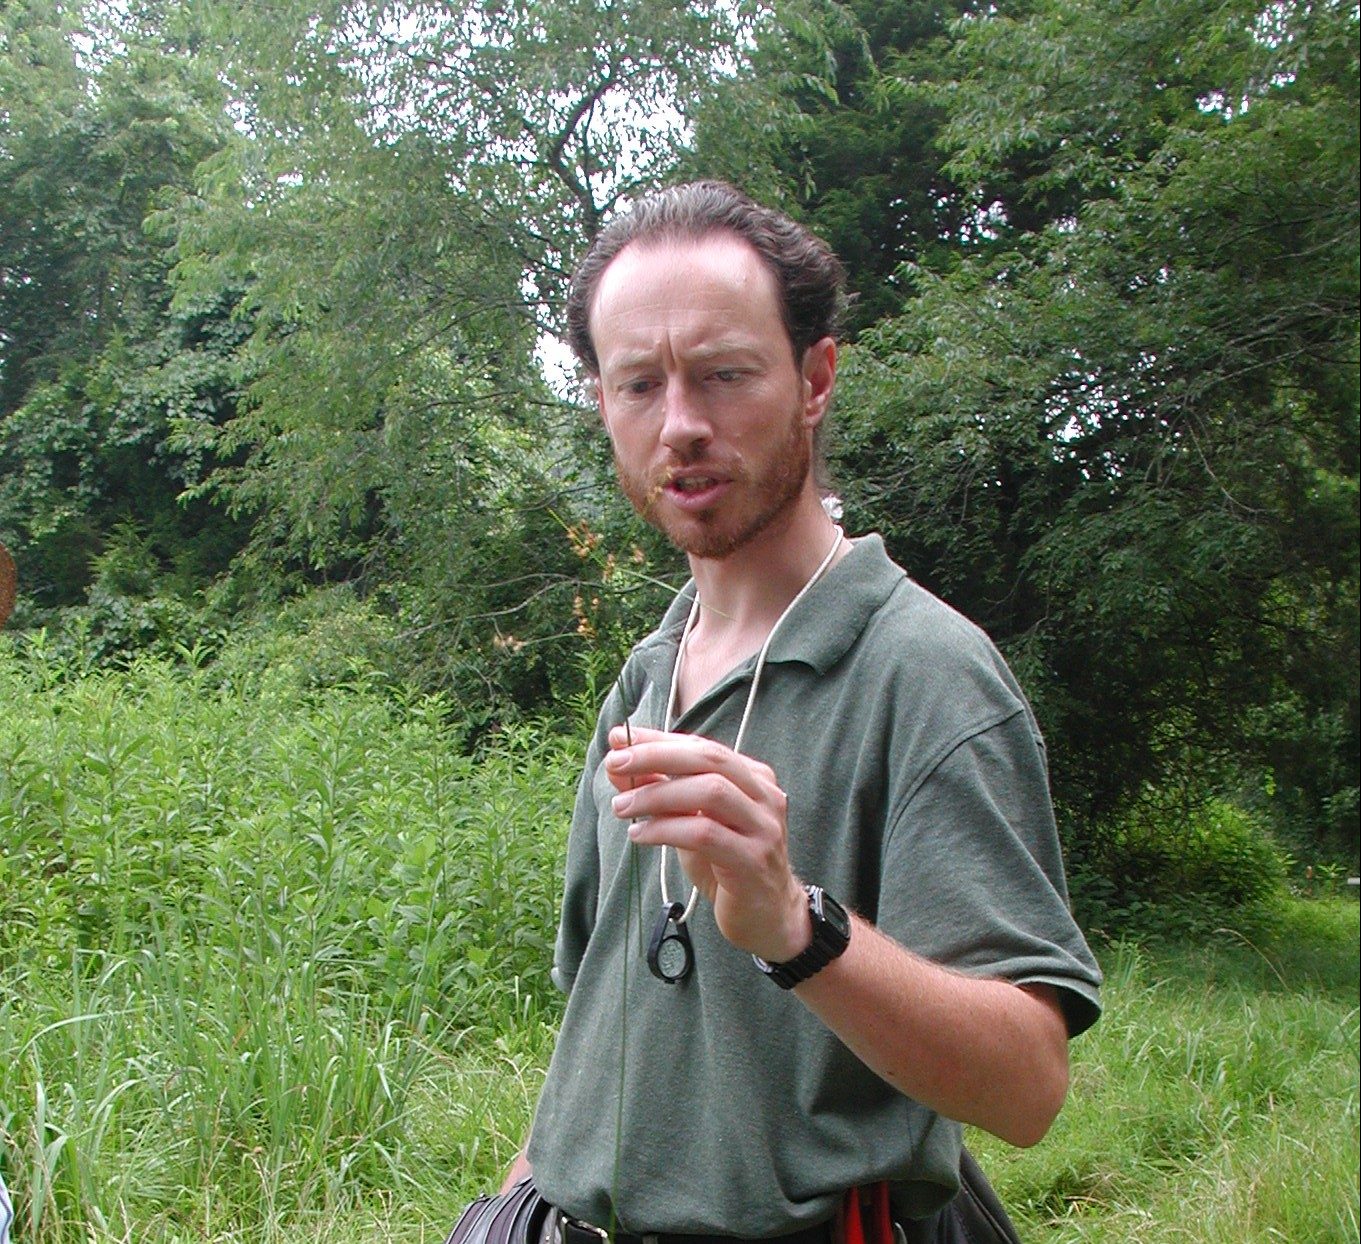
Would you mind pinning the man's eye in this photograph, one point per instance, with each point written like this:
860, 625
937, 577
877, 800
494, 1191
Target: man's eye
636, 388
727, 375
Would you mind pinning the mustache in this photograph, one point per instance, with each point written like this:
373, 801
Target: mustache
655, 489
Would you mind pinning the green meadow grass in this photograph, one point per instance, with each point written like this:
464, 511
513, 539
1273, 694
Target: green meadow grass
1216, 1101
273, 967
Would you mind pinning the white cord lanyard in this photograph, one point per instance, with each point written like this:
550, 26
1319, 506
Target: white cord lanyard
751, 697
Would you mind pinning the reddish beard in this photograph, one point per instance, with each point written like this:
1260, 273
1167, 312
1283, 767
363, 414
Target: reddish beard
758, 494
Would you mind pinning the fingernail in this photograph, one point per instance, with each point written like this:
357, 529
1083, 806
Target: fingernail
617, 760
621, 804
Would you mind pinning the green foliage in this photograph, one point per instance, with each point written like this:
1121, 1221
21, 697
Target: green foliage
402, 228
1121, 432
248, 925
1177, 866
322, 640
94, 367
820, 124
274, 967
336, 801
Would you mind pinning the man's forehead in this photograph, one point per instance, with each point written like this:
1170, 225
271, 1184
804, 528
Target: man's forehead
642, 350
688, 243
723, 255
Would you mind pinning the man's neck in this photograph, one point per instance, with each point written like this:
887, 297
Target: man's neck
742, 595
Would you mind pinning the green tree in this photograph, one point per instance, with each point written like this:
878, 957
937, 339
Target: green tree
401, 207
99, 126
1124, 436
816, 121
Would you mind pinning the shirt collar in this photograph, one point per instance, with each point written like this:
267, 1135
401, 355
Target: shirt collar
821, 628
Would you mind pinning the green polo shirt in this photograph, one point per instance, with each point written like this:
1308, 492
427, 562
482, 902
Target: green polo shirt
918, 795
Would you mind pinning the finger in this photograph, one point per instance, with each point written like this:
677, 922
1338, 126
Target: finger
623, 781
679, 755
708, 794
626, 735
703, 844
620, 766
619, 772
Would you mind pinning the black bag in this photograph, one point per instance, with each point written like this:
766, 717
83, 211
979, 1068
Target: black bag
514, 1217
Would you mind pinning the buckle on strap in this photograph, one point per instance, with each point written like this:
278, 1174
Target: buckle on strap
573, 1231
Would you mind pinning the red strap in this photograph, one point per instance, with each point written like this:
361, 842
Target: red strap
871, 1225
883, 1221
855, 1227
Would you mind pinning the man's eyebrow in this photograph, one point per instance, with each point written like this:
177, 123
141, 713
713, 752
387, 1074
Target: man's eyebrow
725, 349
630, 361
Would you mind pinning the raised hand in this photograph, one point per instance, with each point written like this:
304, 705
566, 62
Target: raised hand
725, 814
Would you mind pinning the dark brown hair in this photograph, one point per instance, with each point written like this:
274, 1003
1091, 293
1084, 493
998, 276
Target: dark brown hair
809, 278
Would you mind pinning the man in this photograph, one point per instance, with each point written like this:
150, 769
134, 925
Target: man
807, 725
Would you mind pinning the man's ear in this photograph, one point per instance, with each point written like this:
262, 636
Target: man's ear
819, 379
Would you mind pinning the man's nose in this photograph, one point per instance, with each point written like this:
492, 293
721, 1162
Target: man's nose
684, 422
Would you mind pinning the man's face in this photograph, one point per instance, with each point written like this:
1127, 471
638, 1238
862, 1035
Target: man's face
710, 416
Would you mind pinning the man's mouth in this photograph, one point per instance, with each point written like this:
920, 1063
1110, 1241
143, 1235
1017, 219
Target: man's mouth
693, 483
692, 490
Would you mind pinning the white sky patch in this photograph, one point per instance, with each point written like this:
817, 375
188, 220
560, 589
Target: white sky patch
559, 367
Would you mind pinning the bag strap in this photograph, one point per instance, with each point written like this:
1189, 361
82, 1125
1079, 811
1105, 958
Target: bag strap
979, 1206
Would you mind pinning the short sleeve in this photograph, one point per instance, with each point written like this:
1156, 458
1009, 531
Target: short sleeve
581, 883
973, 876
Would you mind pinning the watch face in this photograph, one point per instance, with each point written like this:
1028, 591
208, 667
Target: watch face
835, 915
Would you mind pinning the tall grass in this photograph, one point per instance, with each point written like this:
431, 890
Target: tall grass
257, 946
273, 967
1216, 1101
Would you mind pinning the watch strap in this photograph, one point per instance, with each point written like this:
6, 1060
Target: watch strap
830, 939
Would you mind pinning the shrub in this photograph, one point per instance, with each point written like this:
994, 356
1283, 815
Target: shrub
328, 637
1172, 866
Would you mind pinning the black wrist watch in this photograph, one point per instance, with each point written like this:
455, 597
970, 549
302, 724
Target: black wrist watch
831, 936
